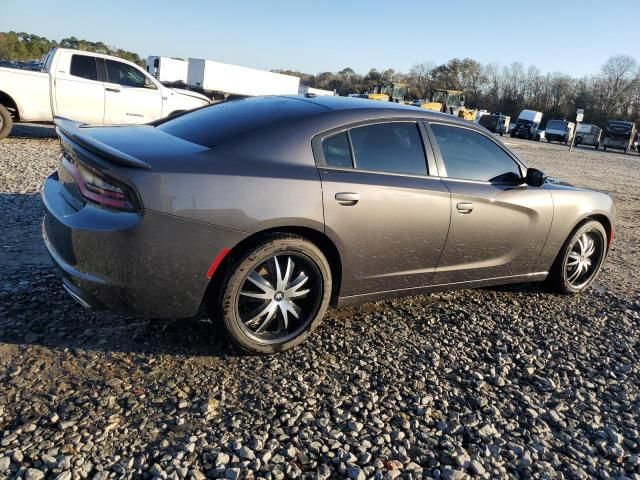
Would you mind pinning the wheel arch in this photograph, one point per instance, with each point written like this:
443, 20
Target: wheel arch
604, 220
318, 238
11, 104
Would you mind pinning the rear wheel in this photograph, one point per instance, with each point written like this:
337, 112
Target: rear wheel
275, 294
580, 259
6, 122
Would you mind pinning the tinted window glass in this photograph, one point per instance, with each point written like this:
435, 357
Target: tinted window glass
215, 124
471, 156
123, 74
336, 150
389, 147
84, 66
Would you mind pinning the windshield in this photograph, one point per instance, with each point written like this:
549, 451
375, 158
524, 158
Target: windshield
399, 92
556, 125
440, 97
454, 99
387, 90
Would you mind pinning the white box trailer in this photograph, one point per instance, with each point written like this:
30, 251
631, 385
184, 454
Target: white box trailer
303, 90
236, 80
167, 69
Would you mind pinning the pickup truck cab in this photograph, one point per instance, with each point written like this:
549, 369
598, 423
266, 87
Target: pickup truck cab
90, 88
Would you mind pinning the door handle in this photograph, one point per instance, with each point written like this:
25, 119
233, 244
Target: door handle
114, 90
464, 208
347, 198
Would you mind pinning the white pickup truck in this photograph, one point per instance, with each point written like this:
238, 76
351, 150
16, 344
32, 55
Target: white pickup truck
88, 87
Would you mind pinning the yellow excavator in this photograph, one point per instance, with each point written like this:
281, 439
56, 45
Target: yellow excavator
388, 92
449, 101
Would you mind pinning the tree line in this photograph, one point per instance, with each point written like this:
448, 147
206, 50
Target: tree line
611, 93
21, 46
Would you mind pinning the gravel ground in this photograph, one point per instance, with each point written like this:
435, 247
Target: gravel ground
500, 382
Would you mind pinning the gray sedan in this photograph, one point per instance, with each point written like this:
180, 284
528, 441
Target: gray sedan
262, 212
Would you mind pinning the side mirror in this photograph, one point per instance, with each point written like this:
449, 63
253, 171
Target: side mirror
534, 177
148, 83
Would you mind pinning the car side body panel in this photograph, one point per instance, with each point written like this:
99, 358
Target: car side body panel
393, 236
503, 234
571, 207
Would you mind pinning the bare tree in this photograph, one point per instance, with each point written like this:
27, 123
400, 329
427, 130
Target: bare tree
420, 78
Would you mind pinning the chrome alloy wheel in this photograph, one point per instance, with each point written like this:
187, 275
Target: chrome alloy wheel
279, 297
584, 259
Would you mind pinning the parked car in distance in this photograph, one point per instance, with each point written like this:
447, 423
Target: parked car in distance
8, 64
619, 134
263, 211
588, 134
495, 123
559, 130
88, 87
527, 124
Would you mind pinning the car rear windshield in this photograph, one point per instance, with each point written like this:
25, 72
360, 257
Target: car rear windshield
213, 125
556, 125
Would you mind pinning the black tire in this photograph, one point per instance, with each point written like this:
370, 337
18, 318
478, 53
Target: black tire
604, 148
260, 257
597, 145
501, 134
561, 273
512, 135
6, 122
578, 141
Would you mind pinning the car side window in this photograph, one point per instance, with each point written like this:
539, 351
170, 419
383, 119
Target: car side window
84, 66
469, 155
123, 74
394, 147
336, 150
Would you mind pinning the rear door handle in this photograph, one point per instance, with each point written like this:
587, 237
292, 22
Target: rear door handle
465, 208
347, 198
114, 90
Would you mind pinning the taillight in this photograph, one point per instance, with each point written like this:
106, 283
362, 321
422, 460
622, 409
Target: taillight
98, 188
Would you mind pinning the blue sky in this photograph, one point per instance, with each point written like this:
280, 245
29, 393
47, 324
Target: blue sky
574, 37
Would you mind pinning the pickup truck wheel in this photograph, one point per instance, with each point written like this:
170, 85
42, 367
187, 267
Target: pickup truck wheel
6, 122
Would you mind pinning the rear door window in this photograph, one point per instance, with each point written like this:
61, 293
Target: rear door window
394, 147
336, 150
84, 66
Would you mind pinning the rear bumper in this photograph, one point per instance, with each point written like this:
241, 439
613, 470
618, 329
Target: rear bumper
146, 263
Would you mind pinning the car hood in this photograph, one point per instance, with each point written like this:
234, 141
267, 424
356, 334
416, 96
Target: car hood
190, 93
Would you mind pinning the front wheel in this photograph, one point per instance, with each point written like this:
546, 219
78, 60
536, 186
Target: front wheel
275, 294
6, 122
580, 259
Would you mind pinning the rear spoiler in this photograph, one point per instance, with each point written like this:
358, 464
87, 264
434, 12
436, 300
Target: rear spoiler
72, 130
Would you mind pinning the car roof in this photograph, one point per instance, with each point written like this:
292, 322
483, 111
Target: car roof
373, 108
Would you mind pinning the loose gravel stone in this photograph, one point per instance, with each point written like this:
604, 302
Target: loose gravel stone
507, 382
